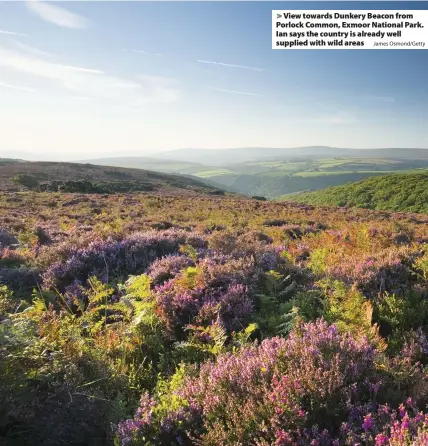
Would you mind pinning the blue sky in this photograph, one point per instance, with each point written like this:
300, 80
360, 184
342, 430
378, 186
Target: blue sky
85, 79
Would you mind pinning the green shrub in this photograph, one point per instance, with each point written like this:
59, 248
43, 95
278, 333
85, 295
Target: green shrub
28, 181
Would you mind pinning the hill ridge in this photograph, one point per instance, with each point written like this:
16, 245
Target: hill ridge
404, 192
71, 177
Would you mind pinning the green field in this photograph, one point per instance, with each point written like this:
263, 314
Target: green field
213, 173
273, 178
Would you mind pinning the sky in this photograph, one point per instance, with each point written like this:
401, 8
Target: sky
90, 79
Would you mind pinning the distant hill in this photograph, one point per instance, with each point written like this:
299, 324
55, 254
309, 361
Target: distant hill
23, 155
224, 157
148, 163
191, 160
273, 177
10, 160
74, 177
396, 192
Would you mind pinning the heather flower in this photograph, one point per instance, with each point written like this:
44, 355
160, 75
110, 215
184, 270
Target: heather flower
381, 440
368, 423
279, 389
168, 267
132, 255
385, 271
269, 261
283, 438
217, 290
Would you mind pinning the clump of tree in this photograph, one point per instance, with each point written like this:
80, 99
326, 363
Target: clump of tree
26, 180
81, 186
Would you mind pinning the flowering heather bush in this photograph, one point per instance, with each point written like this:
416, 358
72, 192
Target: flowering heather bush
115, 258
168, 267
64, 249
371, 424
380, 425
386, 271
251, 397
200, 288
213, 291
415, 348
223, 270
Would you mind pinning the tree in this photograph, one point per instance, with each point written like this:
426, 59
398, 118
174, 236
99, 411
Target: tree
26, 180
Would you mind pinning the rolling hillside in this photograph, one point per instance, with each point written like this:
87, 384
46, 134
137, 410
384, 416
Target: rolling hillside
273, 177
397, 192
73, 177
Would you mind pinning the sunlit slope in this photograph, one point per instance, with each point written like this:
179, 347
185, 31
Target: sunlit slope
397, 192
74, 177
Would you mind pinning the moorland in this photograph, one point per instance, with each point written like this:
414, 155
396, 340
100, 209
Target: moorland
175, 316
18, 175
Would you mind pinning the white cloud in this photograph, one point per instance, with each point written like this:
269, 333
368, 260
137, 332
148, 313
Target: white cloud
31, 49
136, 51
162, 89
40, 67
142, 52
88, 82
230, 65
15, 87
237, 92
82, 70
56, 15
12, 33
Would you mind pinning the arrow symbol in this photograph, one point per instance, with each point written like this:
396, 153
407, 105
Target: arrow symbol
278, 16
